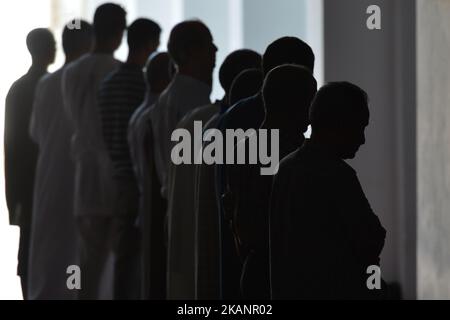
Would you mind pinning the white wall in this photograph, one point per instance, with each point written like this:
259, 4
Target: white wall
383, 63
433, 33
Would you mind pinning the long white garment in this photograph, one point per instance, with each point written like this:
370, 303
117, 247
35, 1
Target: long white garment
181, 210
53, 245
183, 95
93, 184
95, 190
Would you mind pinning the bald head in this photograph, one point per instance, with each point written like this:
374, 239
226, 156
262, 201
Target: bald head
159, 72
288, 91
288, 50
235, 63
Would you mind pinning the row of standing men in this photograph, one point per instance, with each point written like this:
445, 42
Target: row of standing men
92, 182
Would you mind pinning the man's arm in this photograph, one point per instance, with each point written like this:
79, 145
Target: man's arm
12, 186
361, 226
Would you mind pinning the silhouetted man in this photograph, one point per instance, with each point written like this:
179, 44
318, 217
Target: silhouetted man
192, 50
54, 238
20, 151
287, 93
208, 241
181, 190
324, 234
249, 114
152, 211
95, 192
121, 93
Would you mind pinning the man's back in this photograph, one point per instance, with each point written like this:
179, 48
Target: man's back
20, 151
81, 81
121, 93
248, 205
182, 96
324, 235
53, 237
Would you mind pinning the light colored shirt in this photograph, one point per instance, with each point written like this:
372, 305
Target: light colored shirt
94, 186
53, 237
181, 215
182, 96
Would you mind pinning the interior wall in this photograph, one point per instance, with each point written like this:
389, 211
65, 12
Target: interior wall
382, 62
433, 33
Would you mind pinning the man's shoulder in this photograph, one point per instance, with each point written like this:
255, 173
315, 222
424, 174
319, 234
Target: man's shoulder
21, 87
307, 162
19, 83
90, 63
52, 78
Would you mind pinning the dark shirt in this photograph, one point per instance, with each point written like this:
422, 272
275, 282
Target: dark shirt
21, 155
323, 232
248, 203
20, 151
247, 114
120, 95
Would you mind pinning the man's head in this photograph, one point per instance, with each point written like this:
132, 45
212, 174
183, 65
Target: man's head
288, 91
77, 41
42, 46
339, 116
144, 37
235, 63
248, 83
159, 72
191, 47
288, 50
110, 23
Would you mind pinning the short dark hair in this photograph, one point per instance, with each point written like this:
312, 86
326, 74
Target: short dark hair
339, 104
286, 84
40, 43
246, 84
142, 32
186, 36
235, 63
288, 50
75, 40
109, 20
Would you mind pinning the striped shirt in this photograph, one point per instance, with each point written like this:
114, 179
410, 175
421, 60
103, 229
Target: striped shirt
121, 93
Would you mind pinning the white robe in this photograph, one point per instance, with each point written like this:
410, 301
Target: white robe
95, 190
53, 231
181, 210
183, 95
94, 184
